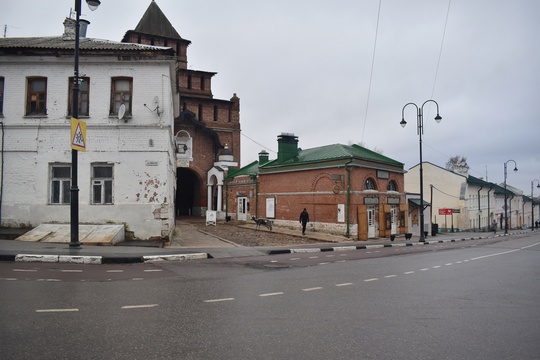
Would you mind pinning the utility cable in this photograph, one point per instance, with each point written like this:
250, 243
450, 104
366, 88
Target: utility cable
372, 67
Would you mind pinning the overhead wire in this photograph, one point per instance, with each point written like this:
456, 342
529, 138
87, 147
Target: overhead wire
371, 72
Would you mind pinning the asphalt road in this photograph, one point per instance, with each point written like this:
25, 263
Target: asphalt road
464, 302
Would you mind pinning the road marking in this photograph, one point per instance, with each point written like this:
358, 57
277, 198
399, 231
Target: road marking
115, 271
25, 270
372, 279
56, 310
9, 279
323, 263
137, 279
153, 270
49, 280
312, 289
437, 266
295, 258
273, 261
390, 276
408, 272
271, 294
344, 284
139, 306
313, 257
497, 254
424, 269
449, 264
218, 300
72, 271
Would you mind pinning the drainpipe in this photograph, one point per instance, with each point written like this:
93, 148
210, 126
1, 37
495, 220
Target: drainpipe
254, 178
2, 172
226, 199
489, 217
479, 210
347, 208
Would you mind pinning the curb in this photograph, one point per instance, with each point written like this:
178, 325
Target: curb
96, 260
379, 246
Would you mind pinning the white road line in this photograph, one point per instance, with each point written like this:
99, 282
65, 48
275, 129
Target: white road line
9, 279
25, 270
115, 271
436, 266
271, 294
497, 254
449, 264
408, 272
292, 259
323, 263
313, 257
312, 289
72, 271
137, 279
372, 279
273, 261
424, 269
218, 300
49, 280
344, 284
153, 270
139, 306
56, 310
390, 276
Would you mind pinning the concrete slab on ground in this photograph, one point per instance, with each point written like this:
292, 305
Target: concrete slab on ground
88, 234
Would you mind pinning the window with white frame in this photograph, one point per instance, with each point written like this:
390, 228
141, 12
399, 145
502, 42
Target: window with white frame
60, 184
121, 93
36, 96
102, 184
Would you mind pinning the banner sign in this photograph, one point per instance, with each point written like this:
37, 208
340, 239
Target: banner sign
445, 211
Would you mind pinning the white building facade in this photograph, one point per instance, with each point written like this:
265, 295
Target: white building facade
127, 175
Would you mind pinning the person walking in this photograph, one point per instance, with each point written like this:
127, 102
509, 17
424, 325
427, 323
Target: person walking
304, 219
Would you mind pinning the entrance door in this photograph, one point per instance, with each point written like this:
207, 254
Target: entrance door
371, 221
242, 209
393, 219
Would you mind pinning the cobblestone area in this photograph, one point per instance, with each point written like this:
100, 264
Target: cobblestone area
247, 236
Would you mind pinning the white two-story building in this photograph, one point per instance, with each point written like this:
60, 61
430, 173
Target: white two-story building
127, 173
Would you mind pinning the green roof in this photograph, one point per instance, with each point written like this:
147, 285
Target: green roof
251, 169
335, 152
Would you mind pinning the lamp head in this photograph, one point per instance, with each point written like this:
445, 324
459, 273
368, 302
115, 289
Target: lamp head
438, 118
93, 4
515, 168
403, 122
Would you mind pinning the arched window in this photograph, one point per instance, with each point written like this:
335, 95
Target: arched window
370, 184
392, 186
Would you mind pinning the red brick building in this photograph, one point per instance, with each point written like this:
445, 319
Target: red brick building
347, 190
207, 129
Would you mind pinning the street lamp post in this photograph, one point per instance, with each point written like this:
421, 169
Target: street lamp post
506, 196
420, 131
74, 189
532, 201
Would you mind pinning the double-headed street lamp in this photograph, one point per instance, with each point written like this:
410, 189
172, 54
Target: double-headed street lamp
506, 196
420, 131
532, 201
74, 189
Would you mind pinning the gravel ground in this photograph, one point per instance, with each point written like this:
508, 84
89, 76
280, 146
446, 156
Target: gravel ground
250, 237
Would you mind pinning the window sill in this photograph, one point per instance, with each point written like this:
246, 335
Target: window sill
36, 116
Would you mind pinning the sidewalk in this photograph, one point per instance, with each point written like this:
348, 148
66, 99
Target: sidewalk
190, 244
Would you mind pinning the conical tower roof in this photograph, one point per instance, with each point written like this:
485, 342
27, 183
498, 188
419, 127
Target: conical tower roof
154, 22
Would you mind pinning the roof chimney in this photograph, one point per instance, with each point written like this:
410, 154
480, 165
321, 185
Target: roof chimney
263, 157
69, 28
287, 146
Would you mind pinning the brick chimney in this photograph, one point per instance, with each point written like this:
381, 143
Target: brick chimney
69, 28
287, 146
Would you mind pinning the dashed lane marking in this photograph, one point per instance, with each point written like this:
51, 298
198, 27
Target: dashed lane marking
372, 279
56, 310
344, 284
312, 289
153, 270
390, 276
271, 294
408, 272
115, 271
71, 271
25, 270
139, 306
218, 300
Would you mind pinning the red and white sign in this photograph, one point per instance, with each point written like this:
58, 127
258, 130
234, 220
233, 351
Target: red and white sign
445, 211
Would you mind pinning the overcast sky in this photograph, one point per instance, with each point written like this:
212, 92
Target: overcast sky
340, 71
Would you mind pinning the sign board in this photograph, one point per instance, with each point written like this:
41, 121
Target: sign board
211, 217
78, 135
445, 211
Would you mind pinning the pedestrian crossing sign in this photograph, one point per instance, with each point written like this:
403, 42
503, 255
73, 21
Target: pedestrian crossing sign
78, 135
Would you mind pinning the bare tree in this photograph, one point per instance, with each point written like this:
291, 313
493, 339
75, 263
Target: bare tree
458, 164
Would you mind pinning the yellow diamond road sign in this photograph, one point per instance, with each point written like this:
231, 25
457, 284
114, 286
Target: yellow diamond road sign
78, 134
